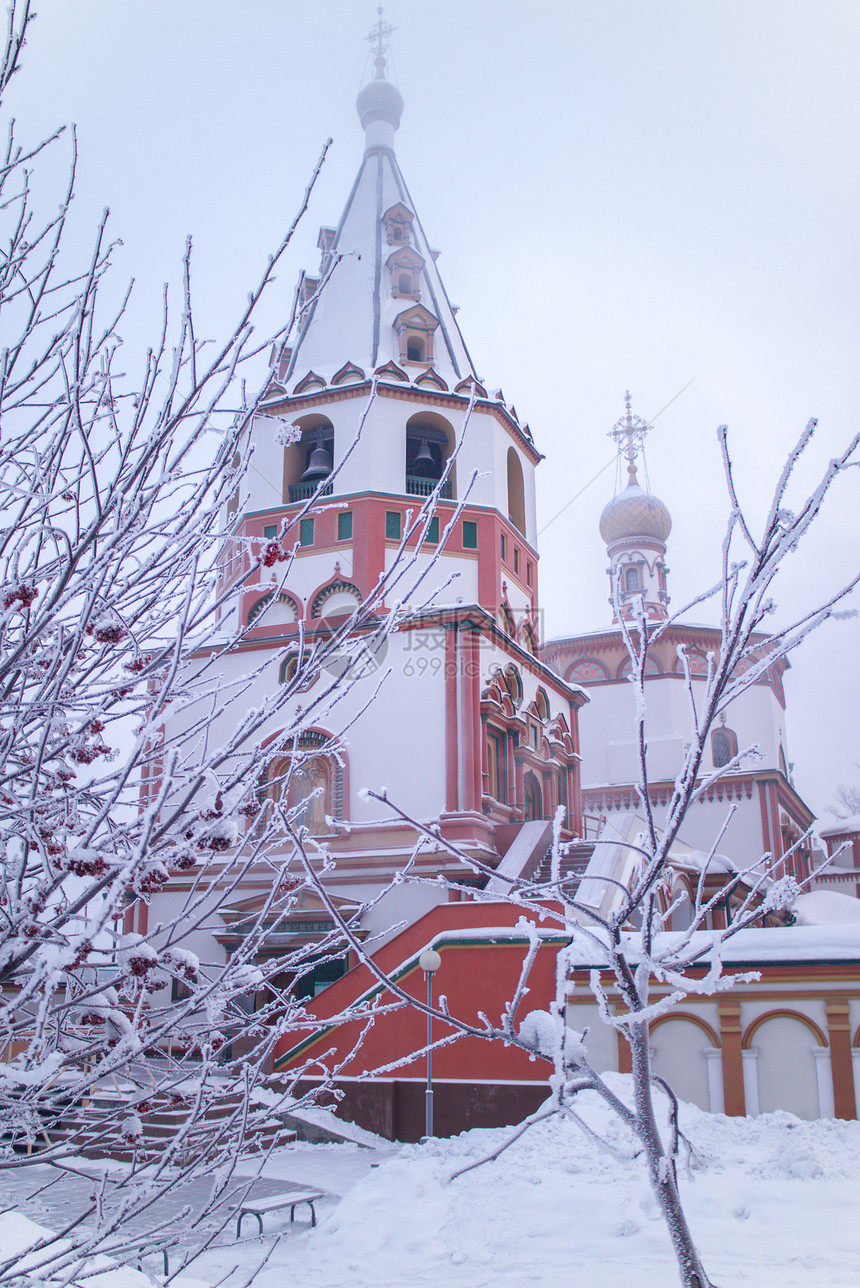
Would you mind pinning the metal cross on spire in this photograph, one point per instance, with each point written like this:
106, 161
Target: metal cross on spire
630, 433
379, 34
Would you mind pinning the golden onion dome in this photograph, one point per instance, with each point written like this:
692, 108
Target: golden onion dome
634, 513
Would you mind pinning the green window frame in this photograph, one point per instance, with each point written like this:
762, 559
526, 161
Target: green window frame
470, 535
432, 537
306, 532
344, 525
392, 525
270, 531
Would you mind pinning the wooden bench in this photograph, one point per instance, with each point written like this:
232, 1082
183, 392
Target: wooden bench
290, 1199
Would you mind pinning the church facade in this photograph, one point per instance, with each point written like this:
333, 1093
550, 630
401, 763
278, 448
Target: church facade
399, 491
384, 472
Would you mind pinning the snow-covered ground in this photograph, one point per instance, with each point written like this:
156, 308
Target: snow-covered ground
771, 1200
772, 1203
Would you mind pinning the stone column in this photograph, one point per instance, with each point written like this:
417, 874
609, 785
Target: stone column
839, 1037
730, 1042
750, 1071
823, 1073
714, 1061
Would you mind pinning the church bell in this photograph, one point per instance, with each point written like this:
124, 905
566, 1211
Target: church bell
423, 457
319, 464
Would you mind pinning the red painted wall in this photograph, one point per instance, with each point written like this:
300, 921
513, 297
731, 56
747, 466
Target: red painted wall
475, 975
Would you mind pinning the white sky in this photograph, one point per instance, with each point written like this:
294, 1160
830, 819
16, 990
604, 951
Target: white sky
626, 193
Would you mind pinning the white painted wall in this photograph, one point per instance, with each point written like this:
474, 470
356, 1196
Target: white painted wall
607, 729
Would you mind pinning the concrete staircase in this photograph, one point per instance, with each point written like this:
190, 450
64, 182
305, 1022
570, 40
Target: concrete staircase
572, 866
529, 858
99, 1127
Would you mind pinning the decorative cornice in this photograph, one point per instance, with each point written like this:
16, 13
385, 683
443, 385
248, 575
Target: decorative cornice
410, 392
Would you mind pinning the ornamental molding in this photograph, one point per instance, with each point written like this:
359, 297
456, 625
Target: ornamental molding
283, 598
333, 588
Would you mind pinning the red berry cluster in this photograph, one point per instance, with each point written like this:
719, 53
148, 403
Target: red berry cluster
22, 595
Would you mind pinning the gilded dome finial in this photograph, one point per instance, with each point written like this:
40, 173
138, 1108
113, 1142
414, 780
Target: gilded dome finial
629, 434
634, 512
378, 35
379, 103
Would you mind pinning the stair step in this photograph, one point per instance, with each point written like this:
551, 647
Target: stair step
95, 1127
571, 868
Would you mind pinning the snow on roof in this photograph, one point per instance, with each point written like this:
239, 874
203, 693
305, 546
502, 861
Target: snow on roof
355, 313
823, 942
843, 827
826, 908
701, 859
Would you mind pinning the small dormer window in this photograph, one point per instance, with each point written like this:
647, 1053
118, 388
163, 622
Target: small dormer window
307, 290
397, 222
405, 267
414, 328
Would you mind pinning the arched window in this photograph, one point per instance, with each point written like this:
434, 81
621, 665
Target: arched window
724, 746
631, 578
532, 799
506, 620
513, 683
497, 768
516, 492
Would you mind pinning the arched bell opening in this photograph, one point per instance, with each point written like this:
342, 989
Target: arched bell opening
310, 460
429, 446
516, 492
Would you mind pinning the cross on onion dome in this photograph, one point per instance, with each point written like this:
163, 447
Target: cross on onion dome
379, 34
630, 433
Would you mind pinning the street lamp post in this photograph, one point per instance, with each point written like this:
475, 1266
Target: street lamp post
429, 961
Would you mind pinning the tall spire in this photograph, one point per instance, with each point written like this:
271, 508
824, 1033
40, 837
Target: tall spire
377, 297
379, 103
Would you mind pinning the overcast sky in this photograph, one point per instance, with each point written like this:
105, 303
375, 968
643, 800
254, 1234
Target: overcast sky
626, 193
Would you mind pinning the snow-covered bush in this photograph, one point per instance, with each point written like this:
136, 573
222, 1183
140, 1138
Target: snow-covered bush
114, 494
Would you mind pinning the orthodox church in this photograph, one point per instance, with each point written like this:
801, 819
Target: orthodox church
374, 406
397, 474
